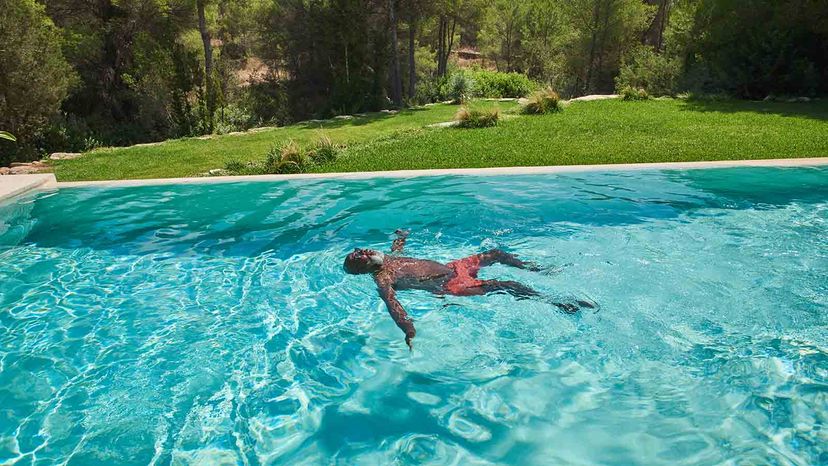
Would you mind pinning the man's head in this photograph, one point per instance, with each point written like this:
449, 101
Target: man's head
363, 261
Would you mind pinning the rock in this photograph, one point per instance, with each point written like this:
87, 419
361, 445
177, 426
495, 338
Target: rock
588, 98
24, 170
798, 99
5, 170
64, 156
343, 117
218, 172
18, 164
447, 124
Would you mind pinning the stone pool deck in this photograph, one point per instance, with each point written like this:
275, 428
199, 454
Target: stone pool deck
15, 185
803, 162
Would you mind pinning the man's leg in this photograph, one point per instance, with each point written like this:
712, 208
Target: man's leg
515, 289
497, 256
521, 291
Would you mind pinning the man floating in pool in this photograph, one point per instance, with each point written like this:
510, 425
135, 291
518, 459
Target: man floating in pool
457, 278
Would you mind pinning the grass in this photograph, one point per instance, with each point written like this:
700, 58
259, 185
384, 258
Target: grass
609, 131
192, 156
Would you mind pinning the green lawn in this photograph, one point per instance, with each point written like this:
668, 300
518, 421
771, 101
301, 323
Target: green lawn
609, 131
191, 156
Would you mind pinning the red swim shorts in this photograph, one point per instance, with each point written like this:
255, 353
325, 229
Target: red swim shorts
465, 275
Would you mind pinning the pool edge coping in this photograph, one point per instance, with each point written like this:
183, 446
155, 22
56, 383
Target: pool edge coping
494, 171
13, 186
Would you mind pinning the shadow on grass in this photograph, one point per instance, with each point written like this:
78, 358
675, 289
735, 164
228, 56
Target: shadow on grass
363, 119
817, 109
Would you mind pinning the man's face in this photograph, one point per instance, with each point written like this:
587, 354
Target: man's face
363, 261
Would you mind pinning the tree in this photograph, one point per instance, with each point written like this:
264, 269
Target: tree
35, 77
603, 31
206, 40
654, 34
503, 30
753, 48
396, 76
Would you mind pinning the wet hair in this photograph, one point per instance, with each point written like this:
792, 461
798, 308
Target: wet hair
360, 262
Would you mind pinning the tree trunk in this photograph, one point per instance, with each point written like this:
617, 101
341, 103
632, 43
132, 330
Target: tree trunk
208, 63
396, 75
412, 65
509, 46
602, 48
654, 35
596, 16
450, 42
441, 45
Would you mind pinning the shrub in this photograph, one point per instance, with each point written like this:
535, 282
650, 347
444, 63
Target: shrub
498, 85
234, 166
632, 93
542, 102
267, 101
285, 159
233, 118
459, 88
466, 118
430, 91
325, 151
645, 69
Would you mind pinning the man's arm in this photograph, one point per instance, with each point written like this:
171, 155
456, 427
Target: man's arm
399, 243
389, 296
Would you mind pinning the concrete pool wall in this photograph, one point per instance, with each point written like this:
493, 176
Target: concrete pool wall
15, 185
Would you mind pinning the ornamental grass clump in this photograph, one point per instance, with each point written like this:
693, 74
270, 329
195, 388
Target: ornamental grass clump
285, 159
324, 152
542, 102
633, 93
467, 118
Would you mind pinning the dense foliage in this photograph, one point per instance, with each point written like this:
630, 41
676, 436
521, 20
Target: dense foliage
34, 75
76, 74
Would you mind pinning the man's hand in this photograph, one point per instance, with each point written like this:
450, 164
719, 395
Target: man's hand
389, 296
399, 243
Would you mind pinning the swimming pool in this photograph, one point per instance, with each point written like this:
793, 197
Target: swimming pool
213, 324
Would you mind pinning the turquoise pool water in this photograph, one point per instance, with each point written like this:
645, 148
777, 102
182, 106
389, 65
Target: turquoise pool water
213, 324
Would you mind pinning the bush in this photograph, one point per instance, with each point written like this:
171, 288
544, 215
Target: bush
285, 159
430, 91
542, 102
267, 101
632, 93
459, 88
233, 118
466, 118
499, 85
235, 166
325, 151
65, 134
643, 68
34, 75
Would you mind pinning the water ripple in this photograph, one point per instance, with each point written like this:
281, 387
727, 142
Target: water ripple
214, 324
